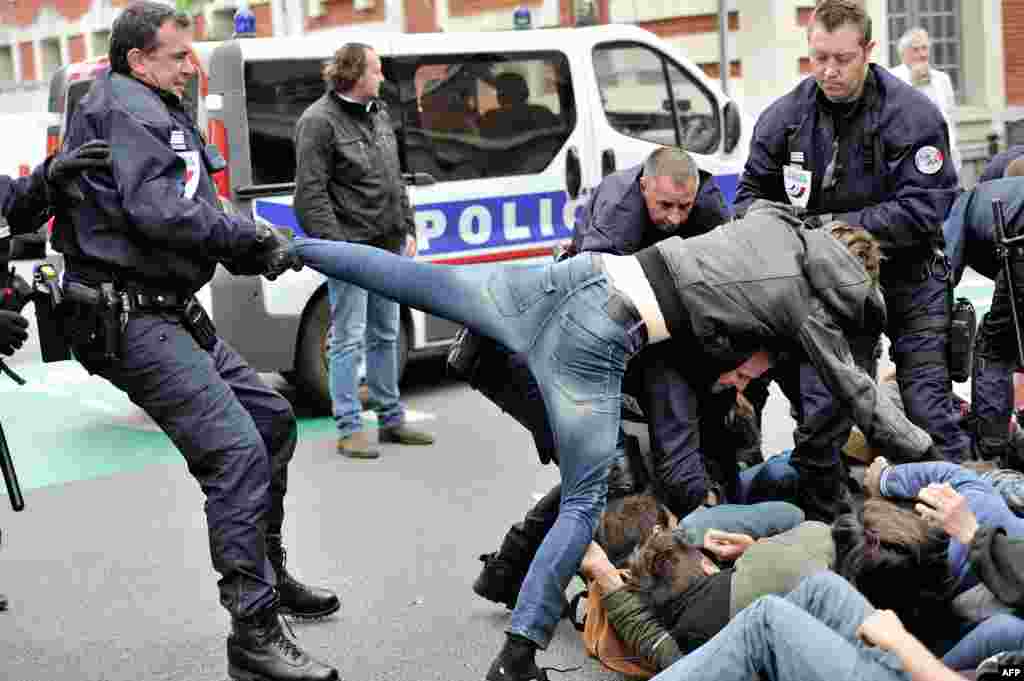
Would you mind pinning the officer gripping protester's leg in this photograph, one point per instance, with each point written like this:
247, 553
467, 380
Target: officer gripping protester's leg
145, 237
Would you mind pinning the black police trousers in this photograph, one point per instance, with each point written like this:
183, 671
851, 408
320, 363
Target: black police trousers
236, 434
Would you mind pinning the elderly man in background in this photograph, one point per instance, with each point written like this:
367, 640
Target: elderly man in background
916, 70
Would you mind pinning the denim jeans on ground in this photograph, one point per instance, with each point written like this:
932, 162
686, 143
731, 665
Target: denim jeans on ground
809, 635
360, 319
991, 636
757, 520
556, 314
774, 479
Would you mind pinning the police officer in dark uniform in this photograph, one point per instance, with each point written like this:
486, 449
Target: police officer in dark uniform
971, 242
25, 204
856, 144
144, 240
629, 210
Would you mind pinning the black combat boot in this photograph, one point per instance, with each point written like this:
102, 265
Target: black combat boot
297, 599
504, 571
516, 662
260, 650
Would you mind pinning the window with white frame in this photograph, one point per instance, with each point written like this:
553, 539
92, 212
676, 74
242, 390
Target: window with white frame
941, 18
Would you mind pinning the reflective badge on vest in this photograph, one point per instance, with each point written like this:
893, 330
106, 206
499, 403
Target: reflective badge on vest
798, 185
929, 160
192, 169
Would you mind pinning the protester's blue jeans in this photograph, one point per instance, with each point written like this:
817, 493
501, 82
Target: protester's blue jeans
757, 520
991, 636
557, 315
357, 316
810, 635
775, 479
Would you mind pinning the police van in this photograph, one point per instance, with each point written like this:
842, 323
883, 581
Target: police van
502, 136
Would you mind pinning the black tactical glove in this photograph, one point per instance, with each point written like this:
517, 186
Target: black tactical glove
12, 331
277, 252
64, 169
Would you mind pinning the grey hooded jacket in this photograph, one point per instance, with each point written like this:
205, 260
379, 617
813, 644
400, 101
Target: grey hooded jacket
767, 282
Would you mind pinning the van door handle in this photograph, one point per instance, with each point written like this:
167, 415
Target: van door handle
607, 162
418, 179
573, 173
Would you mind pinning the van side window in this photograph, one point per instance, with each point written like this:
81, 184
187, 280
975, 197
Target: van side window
481, 116
647, 95
276, 94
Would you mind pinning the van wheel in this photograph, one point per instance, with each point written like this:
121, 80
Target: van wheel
311, 376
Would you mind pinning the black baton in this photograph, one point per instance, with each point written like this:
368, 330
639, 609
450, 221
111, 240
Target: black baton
10, 477
1003, 245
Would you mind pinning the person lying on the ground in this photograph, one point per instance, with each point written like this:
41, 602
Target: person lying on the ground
723, 530
901, 562
821, 631
674, 587
996, 557
734, 296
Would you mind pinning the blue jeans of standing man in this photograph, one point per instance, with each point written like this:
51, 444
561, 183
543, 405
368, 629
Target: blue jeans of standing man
357, 314
809, 635
571, 326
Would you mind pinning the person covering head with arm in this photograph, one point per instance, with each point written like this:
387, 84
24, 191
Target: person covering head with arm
349, 187
146, 236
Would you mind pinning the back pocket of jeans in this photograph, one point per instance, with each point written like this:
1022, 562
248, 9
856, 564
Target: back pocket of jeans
515, 289
584, 363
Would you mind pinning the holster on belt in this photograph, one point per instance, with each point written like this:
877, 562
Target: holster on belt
98, 313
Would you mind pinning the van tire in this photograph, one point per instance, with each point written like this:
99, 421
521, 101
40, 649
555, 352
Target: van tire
311, 376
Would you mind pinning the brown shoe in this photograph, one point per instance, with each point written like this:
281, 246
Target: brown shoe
357, 446
404, 435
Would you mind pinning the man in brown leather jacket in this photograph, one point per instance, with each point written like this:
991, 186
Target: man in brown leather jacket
348, 187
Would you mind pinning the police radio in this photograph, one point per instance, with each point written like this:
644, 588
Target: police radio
962, 329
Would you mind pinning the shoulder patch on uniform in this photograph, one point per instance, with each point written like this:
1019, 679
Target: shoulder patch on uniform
929, 160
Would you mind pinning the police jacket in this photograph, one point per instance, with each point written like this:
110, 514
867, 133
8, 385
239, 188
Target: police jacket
348, 183
892, 170
616, 221
768, 282
23, 200
156, 220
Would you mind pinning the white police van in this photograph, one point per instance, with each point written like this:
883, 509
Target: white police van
486, 187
